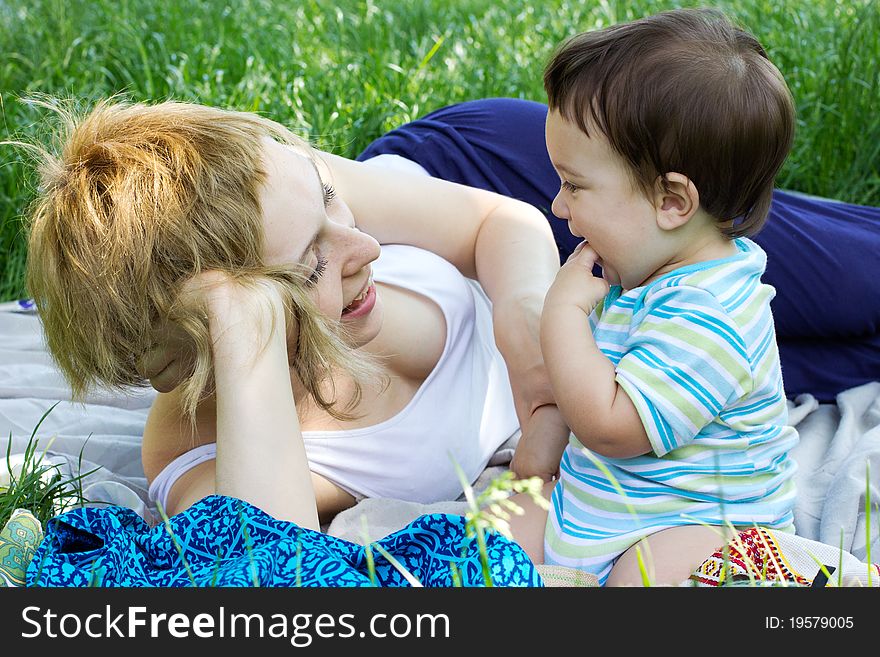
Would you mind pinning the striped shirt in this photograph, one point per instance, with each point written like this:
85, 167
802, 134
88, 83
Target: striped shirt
696, 352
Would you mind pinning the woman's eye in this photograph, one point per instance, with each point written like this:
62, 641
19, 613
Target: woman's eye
319, 270
567, 186
329, 193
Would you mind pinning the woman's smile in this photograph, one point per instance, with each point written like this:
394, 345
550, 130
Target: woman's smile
363, 304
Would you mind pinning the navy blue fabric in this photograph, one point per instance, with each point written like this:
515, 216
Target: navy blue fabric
822, 255
224, 541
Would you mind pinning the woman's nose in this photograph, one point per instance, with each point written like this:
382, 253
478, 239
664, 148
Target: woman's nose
559, 208
362, 249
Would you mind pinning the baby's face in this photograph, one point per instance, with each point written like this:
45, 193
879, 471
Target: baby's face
601, 202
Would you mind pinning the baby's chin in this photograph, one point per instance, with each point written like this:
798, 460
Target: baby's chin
608, 273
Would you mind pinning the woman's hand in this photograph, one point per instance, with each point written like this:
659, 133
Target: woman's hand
171, 359
540, 448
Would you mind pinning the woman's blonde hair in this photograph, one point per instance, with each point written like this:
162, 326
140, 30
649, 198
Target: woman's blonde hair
134, 200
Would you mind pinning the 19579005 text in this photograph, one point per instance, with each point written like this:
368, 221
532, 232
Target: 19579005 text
809, 622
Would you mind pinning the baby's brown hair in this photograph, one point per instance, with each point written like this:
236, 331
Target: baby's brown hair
682, 91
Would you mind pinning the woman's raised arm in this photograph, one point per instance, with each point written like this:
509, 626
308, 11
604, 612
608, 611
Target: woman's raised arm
260, 454
504, 243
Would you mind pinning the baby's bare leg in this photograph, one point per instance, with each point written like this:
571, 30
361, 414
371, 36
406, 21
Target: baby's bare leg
528, 529
670, 555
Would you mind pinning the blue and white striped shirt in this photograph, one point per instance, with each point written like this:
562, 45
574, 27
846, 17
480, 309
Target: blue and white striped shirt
696, 352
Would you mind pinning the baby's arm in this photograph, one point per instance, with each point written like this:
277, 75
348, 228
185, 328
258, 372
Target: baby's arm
598, 411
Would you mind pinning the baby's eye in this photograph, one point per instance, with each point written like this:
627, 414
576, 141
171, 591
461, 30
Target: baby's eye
569, 187
329, 193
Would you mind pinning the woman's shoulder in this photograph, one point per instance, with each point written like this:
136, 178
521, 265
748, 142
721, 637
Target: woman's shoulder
168, 433
422, 271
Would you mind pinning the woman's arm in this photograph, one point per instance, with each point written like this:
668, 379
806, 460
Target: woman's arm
260, 453
504, 243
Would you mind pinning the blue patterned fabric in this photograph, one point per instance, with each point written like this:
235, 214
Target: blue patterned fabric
224, 541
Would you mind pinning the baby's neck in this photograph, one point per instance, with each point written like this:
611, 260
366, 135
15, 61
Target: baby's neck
703, 249
711, 248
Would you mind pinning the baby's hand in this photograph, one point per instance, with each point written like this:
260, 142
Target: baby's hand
575, 283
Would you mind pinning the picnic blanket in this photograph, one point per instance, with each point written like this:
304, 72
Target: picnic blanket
838, 455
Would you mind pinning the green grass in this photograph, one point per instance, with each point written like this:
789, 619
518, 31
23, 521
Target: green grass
36, 484
342, 72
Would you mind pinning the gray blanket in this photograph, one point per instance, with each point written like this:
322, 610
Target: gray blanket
838, 455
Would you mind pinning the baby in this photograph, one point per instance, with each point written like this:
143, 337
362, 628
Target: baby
667, 134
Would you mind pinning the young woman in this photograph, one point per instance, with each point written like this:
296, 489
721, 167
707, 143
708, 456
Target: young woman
322, 314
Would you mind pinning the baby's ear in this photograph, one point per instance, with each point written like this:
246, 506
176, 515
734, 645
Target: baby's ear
676, 199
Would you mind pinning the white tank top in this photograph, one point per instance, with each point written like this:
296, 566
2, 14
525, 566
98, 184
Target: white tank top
460, 414
463, 411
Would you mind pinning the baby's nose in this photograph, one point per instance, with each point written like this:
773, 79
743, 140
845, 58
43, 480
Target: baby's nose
559, 208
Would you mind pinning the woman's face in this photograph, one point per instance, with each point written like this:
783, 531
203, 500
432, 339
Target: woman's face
305, 222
